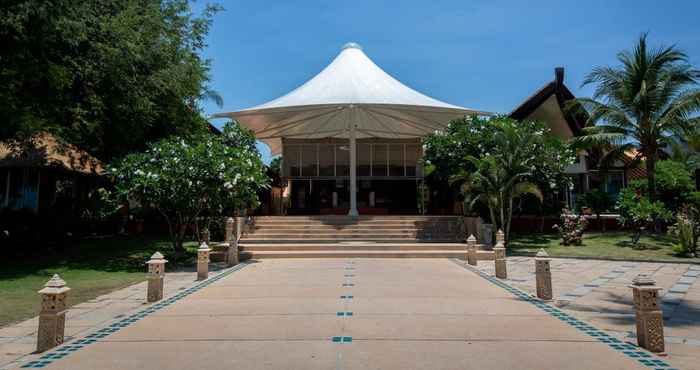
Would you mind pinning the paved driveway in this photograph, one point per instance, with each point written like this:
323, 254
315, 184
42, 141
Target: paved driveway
350, 314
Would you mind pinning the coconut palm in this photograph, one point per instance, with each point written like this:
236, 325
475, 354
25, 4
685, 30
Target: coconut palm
643, 104
497, 178
497, 187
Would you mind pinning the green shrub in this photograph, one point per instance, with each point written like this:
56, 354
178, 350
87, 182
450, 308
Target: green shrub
638, 212
687, 230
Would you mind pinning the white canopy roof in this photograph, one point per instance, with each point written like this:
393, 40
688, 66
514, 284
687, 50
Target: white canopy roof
352, 89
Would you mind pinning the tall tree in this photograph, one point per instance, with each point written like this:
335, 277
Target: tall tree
183, 177
106, 75
642, 104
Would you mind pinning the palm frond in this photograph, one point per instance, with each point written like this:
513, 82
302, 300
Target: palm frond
528, 188
608, 158
679, 113
213, 96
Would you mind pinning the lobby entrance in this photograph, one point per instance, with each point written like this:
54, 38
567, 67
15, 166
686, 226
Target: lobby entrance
374, 196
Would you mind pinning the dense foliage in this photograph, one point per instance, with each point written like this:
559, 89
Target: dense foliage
183, 177
106, 75
674, 183
687, 230
638, 211
646, 103
497, 160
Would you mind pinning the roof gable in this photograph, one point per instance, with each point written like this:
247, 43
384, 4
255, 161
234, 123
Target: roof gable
563, 95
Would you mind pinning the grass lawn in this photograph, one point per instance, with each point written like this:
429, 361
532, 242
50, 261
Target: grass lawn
612, 244
91, 268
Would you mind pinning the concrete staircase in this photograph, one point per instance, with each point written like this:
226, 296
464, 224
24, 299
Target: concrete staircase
344, 237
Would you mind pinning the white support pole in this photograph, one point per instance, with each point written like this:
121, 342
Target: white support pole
353, 167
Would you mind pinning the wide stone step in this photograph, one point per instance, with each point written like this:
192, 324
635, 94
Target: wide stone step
351, 246
302, 240
357, 224
348, 226
349, 234
363, 253
361, 217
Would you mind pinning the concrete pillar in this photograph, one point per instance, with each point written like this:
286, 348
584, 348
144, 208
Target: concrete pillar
203, 261
648, 314
228, 234
353, 167
52, 318
471, 250
156, 275
500, 237
500, 259
543, 276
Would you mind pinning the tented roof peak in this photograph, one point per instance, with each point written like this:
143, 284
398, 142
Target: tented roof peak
351, 89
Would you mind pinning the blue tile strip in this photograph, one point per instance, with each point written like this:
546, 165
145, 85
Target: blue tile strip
76, 345
341, 339
637, 353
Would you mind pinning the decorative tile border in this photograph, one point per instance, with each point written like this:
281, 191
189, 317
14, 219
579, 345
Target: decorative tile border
642, 356
76, 345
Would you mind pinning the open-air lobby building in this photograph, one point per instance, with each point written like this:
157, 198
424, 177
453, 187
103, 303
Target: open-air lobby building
350, 138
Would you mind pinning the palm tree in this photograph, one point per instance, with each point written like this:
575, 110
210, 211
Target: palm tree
500, 177
497, 188
641, 104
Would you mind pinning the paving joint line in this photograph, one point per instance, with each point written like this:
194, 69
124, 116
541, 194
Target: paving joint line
586, 288
671, 300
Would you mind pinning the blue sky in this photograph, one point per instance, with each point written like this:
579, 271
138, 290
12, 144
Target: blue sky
487, 55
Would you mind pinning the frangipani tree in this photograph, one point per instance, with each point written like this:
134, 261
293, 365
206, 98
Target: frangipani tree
182, 177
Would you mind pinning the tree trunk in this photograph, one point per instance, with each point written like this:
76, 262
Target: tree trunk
651, 175
501, 206
509, 218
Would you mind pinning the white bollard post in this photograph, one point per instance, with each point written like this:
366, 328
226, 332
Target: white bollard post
471, 250
500, 259
156, 275
203, 261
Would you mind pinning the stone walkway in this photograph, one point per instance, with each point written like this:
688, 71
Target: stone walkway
598, 292
348, 314
19, 340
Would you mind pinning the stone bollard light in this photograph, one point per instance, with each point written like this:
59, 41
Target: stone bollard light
500, 259
52, 318
203, 261
228, 233
543, 276
501, 237
471, 250
156, 275
648, 314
